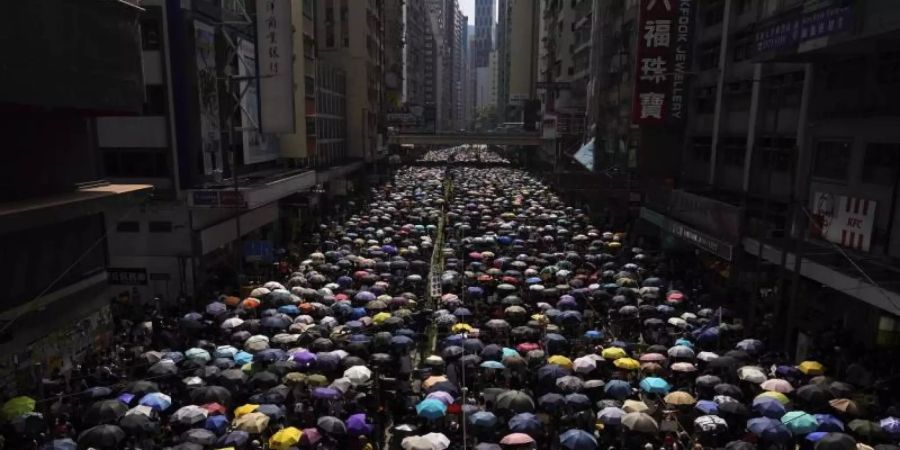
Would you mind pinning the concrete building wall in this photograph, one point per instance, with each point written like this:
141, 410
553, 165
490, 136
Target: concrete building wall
523, 51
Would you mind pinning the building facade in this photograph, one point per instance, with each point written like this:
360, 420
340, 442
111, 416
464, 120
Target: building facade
518, 41
415, 26
485, 19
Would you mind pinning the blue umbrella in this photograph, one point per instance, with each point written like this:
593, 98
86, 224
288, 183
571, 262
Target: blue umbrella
577, 440
891, 425
358, 424
483, 419
611, 415
593, 334
816, 436
707, 407
431, 409
509, 352
61, 444
768, 407
768, 429
156, 400
243, 357
551, 402
550, 372
217, 424
326, 393
126, 398
617, 389
827, 422
526, 423
291, 310
493, 365
684, 342
578, 401
216, 308
655, 385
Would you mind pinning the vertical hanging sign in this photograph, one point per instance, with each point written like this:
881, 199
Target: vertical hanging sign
663, 60
208, 96
274, 42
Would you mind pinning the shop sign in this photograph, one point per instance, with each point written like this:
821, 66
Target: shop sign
663, 59
705, 213
259, 251
256, 148
787, 34
847, 221
698, 238
126, 277
274, 43
217, 198
208, 97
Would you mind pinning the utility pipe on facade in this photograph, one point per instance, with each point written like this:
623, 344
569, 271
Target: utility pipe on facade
720, 84
751, 125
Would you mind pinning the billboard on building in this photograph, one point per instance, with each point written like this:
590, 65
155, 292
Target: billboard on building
847, 221
274, 39
663, 59
256, 147
208, 97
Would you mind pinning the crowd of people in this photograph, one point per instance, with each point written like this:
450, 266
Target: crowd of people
462, 307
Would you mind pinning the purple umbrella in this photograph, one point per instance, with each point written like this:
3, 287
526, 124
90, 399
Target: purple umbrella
442, 396
304, 358
311, 436
125, 398
326, 393
357, 425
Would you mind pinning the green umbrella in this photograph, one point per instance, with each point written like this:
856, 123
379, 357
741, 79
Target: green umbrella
799, 422
16, 407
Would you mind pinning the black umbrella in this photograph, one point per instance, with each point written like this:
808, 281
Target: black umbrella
139, 425
729, 390
515, 401
102, 437
813, 395
141, 388
232, 377
104, 411
331, 425
211, 394
836, 441
199, 436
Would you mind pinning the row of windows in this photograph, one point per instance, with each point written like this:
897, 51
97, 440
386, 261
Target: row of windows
153, 226
328, 103
330, 128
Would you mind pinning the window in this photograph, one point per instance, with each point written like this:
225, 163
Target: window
714, 15
701, 148
845, 74
744, 6
709, 57
128, 226
155, 100
345, 27
733, 150
329, 23
888, 335
888, 68
159, 226
150, 36
881, 163
832, 159
775, 154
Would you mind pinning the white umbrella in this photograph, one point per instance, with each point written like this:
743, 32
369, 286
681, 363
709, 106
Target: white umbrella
141, 410
439, 441
707, 356
358, 375
753, 374
584, 364
231, 323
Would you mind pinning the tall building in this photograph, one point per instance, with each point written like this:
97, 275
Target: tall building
433, 114
443, 14
331, 115
460, 57
56, 197
393, 53
518, 41
416, 24
349, 36
485, 19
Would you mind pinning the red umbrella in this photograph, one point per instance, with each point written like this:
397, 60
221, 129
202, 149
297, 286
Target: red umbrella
214, 408
517, 439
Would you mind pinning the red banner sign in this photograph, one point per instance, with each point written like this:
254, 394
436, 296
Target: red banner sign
663, 59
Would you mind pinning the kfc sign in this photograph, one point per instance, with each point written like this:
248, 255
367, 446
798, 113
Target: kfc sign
847, 221
663, 59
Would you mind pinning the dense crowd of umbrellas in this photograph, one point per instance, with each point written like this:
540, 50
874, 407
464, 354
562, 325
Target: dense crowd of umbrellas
464, 154
547, 333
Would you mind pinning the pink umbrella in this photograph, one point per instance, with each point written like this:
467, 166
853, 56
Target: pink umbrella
441, 396
310, 436
517, 439
652, 357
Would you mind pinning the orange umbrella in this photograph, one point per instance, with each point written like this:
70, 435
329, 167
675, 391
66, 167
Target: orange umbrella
250, 303
232, 300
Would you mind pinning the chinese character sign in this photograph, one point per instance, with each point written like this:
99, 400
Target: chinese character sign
663, 59
274, 42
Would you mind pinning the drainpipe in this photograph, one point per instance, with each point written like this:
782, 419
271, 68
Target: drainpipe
720, 84
751, 126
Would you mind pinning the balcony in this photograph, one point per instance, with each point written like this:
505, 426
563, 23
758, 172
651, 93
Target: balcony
81, 55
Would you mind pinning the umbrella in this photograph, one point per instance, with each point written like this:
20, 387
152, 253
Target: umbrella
611, 415
517, 439
811, 368
141, 410
576, 439
199, 436
640, 422
61, 444
358, 424
560, 360
515, 401
358, 375
752, 374
483, 420
551, 402
211, 394
710, 424
569, 384
679, 398
102, 437
865, 429
526, 423
105, 411
189, 415
235, 438
827, 423
627, 363
331, 425
442, 396
707, 407
768, 429
273, 411
631, 406
769, 407
799, 422
836, 441
139, 425
777, 385
253, 423
890, 425
431, 409
217, 424
156, 400
285, 438
613, 353
655, 385
845, 406
618, 389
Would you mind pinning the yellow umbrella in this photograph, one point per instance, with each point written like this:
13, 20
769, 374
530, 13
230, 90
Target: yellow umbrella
433, 380
379, 318
254, 422
679, 398
811, 368
776, 395
17, 406
245, 409
631, 406
627, 363
285, 438
613, 353
294, 378
462, 328
560, 360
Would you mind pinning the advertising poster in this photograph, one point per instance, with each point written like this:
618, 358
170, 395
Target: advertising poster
208, 96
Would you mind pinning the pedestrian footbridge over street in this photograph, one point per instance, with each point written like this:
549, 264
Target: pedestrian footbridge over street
522, 138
